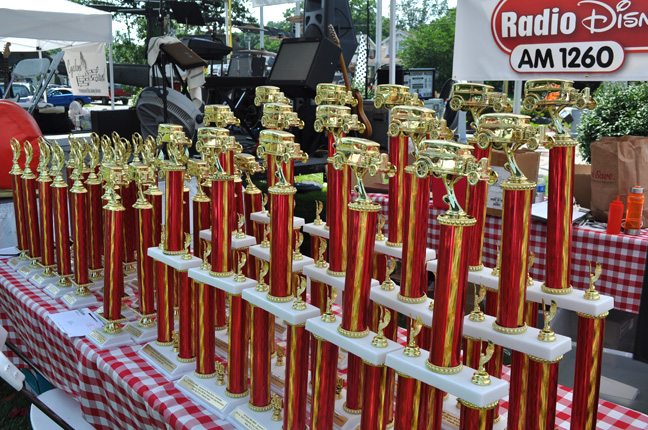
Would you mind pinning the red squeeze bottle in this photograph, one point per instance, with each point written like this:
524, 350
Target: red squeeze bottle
615, 217
635, 210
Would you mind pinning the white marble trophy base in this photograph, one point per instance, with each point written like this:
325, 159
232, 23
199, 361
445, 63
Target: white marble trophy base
317, 230
41, 281
458, 384
278, 377
27, 272
320, 274
97, 286
526, 342
237, 242
103, 340
175, 261
264, 254
263, 217
141, 334
56, 292
281, 331
16, 263
73, 301
479, 277
389, 299
222, 340
574, 301
211, 396
244, 418
381, 247
165, 360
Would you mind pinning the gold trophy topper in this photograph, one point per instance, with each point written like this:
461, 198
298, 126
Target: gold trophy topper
388, 284
277, 407
319, 207
529, 281
379, 228
329, 316
477, 314
321, 262
412, 349
16, 149
297, 255
264, 203
265, 243
591, 293
498, 263
281, 353
239, 227
362, 156
220, 373
187, 244
452, 161
206, 253
380, 341
43, 161
263, 271
547, 334
299, 304
481, 377
240, 277
476, 98
162, 238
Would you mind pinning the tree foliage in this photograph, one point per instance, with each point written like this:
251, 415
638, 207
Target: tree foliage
412, 14
432, 45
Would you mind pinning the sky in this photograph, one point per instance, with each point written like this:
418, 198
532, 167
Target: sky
275, 13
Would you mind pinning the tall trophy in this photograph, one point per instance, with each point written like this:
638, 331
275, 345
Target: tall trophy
19, 214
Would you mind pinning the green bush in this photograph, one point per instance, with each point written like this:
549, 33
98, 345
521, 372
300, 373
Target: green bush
622, 109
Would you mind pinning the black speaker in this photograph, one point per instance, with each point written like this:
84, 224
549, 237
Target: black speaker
301, 64
125, 122
318, 14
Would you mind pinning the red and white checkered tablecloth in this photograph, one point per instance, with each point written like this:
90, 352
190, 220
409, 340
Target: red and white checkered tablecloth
118, 390
623, 257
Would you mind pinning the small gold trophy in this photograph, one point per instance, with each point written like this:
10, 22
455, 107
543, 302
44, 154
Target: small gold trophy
412, 349
265, 243
300, 304
591, 293
547, 334
321, 262
380, 341
329, 316
239, 227
379, 229
277, 407
220, 373
187, 244
319, 207
477, 314
263, 271
281, 353
388, 284
339, 386
297, 255
496, 269
264, 203
529, 265
240, 277
481, 377
206, 253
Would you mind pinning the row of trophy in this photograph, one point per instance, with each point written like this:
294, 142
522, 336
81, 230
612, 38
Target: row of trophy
209, 305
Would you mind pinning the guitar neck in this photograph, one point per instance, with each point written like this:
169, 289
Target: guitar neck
345, 74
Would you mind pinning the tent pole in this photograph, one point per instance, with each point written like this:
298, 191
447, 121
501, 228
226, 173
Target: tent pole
392, 42
261, 33
378, 39
112, 76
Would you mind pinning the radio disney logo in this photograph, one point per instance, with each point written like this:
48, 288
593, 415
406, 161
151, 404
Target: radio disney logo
517, 22
603, 176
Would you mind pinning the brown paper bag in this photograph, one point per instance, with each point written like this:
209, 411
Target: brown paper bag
618, 164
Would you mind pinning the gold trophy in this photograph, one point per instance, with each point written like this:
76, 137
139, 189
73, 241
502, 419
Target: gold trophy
476, 98
390, 95
412, 349
496, 269
529, 265
481, 377
388, 284
297, 255
547, 334
477, 314
380, 341
321, 262
591, 293
379, 228
329, 316
240, 277
299, 303
319, 207
220, 116
263, 271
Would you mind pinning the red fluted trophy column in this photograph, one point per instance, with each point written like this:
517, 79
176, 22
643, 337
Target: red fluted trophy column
337, 200
45, 210
476, 200
145, 264
62, 230
95, 223
18, 196
30, 208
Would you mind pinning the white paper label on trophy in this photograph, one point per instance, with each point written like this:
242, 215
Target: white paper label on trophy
37, 278
247, 421
495, 192
69, 298
52, 289
203, 393
155, 355
24, 270
14, 262
99, 337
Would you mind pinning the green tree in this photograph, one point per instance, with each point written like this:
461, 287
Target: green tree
413, 14
432, 45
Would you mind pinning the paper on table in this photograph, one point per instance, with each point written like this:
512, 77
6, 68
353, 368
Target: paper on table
539, 211
76, 323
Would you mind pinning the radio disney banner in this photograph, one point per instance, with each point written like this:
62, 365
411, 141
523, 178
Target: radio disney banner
566, 39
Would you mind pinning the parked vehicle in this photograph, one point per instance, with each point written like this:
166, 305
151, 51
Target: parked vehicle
63, 97
21, 89
121, 95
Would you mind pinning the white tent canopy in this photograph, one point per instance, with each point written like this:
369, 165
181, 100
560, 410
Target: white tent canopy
31, 25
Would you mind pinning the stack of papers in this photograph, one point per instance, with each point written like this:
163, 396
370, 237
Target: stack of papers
76, 323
